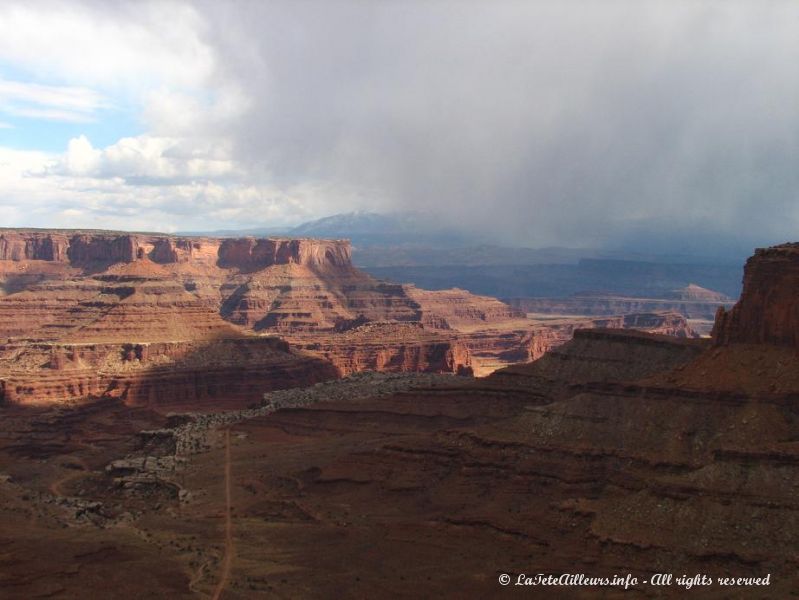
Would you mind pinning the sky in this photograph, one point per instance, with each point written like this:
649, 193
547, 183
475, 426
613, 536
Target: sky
669, 125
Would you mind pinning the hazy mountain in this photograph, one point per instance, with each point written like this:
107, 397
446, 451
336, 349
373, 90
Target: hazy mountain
380, 229
365, 228
411, 247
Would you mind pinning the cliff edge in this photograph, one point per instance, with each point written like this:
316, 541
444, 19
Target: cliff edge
81, 249
768, 311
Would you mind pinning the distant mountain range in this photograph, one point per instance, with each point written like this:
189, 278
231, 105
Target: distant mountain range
412, 247
364, 228
409, 236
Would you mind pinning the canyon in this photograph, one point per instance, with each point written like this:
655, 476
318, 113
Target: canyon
693, 302
158, 320
697, 304
618, 452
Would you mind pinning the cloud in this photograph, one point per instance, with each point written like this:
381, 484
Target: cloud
71, 98
48, 114
89, 61
179, 173
80, 158
174, 113
146, 159
543, 122
37, 190
55, 103
569, 123
107, 44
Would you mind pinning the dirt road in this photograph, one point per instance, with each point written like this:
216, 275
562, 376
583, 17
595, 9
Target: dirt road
56, 488
227, 560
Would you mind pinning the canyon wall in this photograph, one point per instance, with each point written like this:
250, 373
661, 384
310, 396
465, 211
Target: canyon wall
175, 374
768, 311
254, 254
87, 248
491, 349
391, 347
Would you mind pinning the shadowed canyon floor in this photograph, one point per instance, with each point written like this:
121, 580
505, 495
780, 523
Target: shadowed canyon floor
435, 489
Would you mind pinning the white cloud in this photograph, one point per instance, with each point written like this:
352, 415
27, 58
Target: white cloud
149, 60
78, 189
19, 162
148, 160
80, 99
131, 45
48, 114
81, 158
58, 103
153, 58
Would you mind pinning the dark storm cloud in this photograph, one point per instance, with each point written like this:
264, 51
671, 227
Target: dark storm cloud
570, 123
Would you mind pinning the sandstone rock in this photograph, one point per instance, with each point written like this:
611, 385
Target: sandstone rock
192, 373
768, 311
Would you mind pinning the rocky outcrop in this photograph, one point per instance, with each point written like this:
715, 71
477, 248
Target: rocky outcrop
44, 246
602, 354
390, 348
213, 374
492, 349
168, 250
664, 323
755, 343
456, 308
108, 249
768, 311
254, 254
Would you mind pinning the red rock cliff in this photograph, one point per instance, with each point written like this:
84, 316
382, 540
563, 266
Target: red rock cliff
768, 311
249, 254
33, 246
252, 254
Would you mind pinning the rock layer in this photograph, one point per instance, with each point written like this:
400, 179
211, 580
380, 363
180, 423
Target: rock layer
63, 288
85, 248
168, 375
